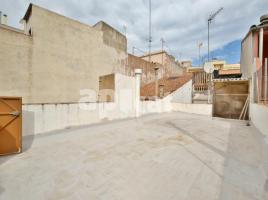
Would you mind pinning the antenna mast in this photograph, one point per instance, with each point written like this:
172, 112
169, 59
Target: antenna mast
162, 41
150, 29
211, 17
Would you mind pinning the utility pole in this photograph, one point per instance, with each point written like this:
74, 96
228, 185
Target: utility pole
162, 41
211, 17
150, 29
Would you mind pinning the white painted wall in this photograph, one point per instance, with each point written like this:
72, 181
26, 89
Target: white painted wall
48, 117
41, 118
259, 117
200, 109
183, 94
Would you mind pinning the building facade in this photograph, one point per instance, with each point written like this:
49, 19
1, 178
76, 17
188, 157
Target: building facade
55, 57
170, 66
254, 51
148, 69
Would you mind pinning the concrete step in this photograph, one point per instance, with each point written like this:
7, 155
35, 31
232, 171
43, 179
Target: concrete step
200, 101
200, 96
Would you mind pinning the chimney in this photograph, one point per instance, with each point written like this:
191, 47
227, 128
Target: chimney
23, 24
4, 19
264, 19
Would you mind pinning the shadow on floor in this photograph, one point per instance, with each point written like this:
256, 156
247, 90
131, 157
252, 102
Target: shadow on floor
28, 129
243, 178
198, 140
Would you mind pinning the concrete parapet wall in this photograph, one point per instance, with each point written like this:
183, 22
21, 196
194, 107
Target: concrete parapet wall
41, 118
201, 109
183, 94
259, 118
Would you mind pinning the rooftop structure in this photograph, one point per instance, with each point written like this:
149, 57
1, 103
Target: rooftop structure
171, 66
57, 57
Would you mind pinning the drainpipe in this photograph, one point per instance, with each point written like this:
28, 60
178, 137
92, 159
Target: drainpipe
265, 81
261, 59
137, 91
261, 45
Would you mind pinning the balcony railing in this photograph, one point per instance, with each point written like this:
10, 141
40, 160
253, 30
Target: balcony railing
201, 81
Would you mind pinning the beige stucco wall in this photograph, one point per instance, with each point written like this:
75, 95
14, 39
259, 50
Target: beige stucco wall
15, 63
247, 57
148, 69
170, 66
65, 57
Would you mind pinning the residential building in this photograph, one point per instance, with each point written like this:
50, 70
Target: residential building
186, 64
55, 57
254, 52
148, 68
170, 66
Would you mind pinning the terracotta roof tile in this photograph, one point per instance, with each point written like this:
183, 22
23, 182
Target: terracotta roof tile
170, 84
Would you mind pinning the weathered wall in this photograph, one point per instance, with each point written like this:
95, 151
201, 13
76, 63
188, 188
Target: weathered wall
109, 35
148, 71
65, 56
230, 98
246, 60
106, 88
15, 62
169, 67
41, 118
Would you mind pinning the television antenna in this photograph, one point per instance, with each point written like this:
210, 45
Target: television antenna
210, 19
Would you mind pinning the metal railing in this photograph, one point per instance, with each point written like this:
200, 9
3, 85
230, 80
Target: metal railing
201, 81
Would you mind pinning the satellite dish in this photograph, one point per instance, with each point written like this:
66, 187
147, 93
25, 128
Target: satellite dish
209, 67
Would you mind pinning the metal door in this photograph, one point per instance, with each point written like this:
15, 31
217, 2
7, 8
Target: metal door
10, 125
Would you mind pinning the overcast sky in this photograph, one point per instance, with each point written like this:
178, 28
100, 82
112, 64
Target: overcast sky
182, 23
